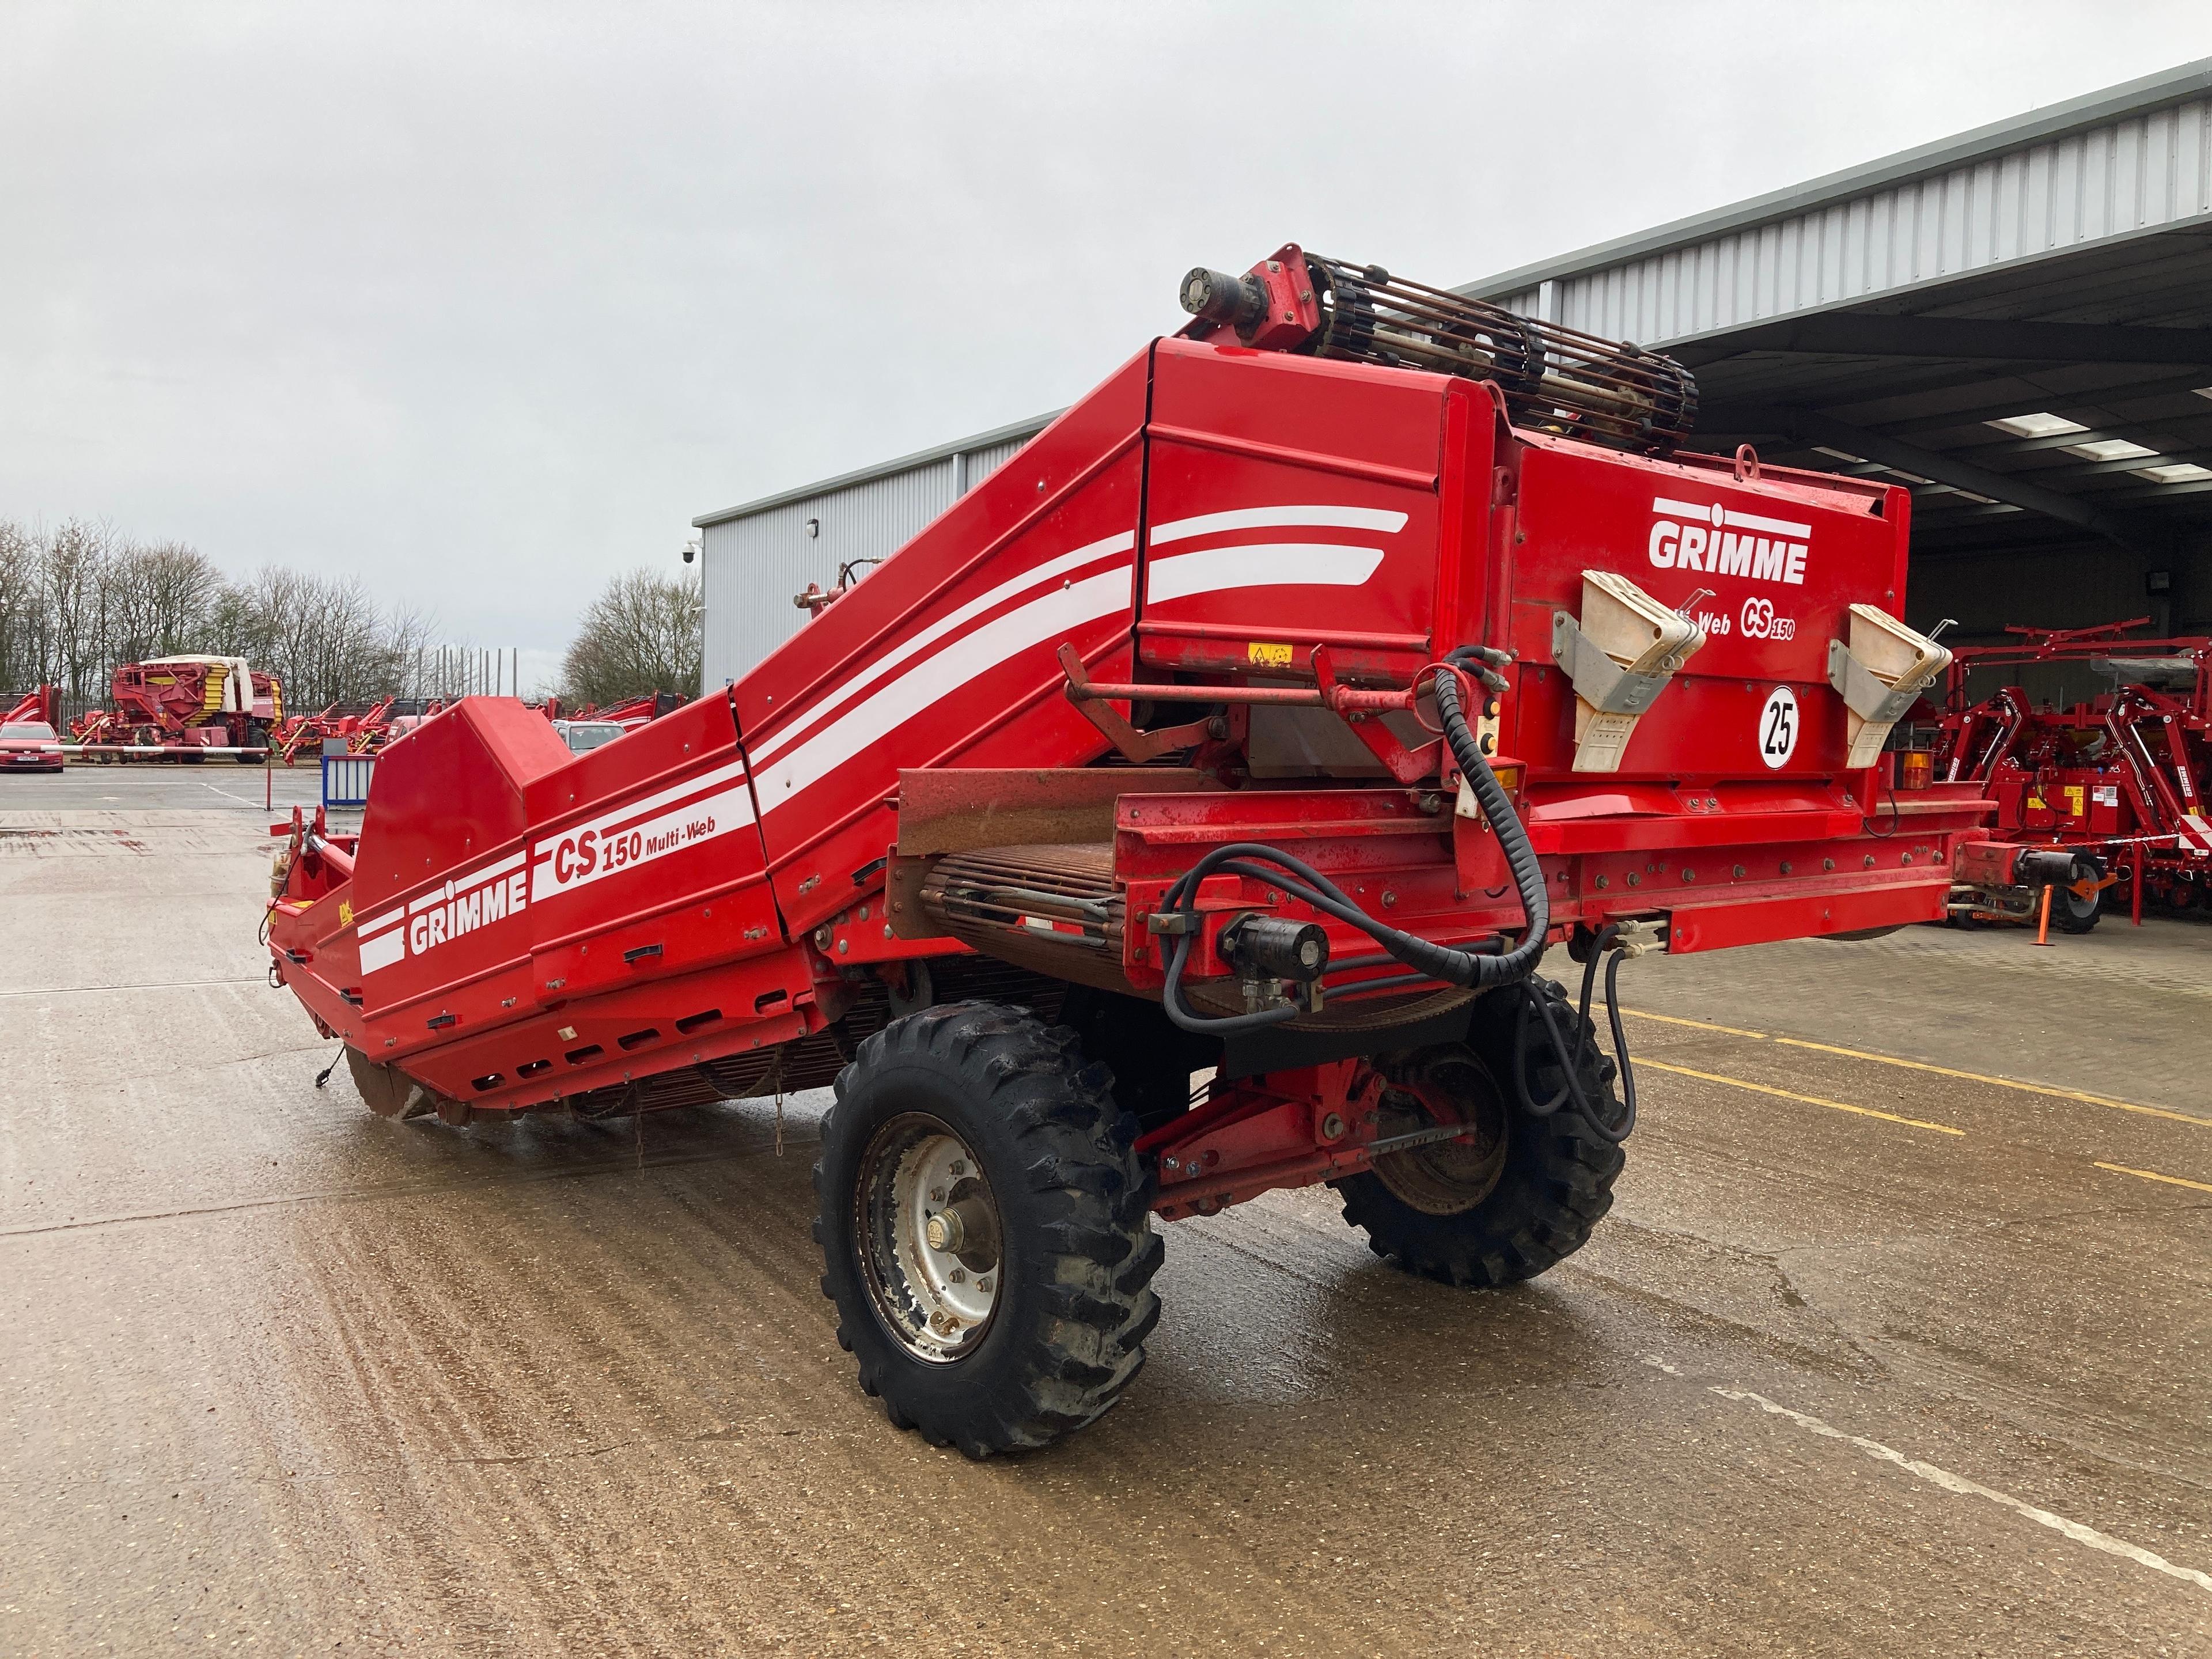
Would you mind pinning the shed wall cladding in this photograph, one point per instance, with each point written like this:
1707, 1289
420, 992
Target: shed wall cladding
753, 566
2140, 172
982, 463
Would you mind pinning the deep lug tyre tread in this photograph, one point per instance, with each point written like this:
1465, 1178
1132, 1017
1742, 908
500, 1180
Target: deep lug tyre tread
1076, 1305
1559, 1175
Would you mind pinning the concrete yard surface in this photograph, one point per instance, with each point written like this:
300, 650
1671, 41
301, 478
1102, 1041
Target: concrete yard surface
1896, 1340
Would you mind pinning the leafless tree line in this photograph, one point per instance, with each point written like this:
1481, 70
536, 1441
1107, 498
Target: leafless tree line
78, 599
643, 634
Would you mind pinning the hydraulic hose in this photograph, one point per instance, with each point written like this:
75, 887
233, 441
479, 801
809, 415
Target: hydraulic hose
1570, 1063
1475, 969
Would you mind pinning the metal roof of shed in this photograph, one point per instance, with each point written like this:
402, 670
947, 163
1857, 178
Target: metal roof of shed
1879, 321
997, 434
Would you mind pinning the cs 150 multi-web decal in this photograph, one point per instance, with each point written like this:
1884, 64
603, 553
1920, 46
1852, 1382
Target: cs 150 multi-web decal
718, 802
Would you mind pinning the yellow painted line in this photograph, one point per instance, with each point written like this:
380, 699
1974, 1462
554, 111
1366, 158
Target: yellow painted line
1940, 1071
2152, 1175
1785, 1094
1701, 1024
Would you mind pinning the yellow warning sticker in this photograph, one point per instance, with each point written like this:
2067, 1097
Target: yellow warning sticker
1262, 653
345, 913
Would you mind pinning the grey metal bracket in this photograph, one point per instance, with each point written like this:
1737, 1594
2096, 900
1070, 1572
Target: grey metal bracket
1866, 695
1599, 680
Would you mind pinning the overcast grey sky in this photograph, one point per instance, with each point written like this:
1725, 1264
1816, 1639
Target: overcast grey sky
487, 301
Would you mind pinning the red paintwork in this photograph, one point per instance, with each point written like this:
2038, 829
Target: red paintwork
723, 866
43, 705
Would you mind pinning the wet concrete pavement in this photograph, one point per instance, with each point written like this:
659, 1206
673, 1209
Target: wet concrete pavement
1870, 1358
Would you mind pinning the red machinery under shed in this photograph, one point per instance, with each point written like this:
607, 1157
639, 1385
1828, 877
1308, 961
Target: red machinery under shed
1269, 713
2116, 781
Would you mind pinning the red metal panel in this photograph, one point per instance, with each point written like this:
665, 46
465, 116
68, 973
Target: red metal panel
1780, 560
945, 655
1289, 500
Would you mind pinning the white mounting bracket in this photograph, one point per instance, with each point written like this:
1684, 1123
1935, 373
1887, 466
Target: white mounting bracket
1620, 657
1879, 673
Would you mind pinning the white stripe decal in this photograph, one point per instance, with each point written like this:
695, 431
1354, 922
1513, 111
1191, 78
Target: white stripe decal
1666, 508
382, 952
369, 929
1772, 526
937, 630
1274, 564
658, 798
1050, 616
1256, 517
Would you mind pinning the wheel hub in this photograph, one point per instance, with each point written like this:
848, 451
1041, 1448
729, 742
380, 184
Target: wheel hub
929, 1235
1445, 1177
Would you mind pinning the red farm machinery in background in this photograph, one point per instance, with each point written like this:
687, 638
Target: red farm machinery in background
641, 710
363, 732
42, 706
1268, 718
2116, 781
184, 708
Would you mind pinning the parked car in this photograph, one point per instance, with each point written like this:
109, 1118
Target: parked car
29, 746
580, 735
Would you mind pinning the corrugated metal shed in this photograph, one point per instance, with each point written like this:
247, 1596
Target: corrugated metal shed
755, 558
2130, 160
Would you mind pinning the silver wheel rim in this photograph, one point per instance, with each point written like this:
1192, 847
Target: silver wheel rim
930, 1242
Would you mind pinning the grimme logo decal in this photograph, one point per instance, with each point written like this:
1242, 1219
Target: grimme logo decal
444, 913
633, 834
1720, 541
433, 923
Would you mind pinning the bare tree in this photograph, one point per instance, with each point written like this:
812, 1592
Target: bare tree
22, 607
74, 561
159, 600
78, 600
643, 634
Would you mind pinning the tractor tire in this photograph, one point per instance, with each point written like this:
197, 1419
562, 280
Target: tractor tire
985, 1229
2072, 914
1525, 1193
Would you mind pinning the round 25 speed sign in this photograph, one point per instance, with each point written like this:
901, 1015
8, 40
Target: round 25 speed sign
1777, 728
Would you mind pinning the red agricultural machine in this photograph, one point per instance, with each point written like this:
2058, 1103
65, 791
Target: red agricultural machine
1269, 717
42, 706
183, 708
2113, 782
363, 732
641, 710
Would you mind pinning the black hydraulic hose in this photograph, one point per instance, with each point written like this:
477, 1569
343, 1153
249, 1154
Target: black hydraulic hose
1570, 1061
1472, 969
